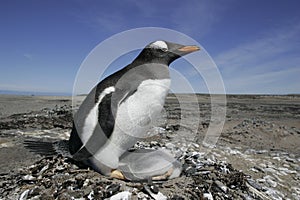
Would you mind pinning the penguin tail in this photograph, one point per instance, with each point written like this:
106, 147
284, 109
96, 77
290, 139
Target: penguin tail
48, 148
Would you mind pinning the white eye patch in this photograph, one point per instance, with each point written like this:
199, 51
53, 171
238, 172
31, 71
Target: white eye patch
159, 45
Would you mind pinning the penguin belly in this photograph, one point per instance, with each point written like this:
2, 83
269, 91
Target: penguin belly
133, 119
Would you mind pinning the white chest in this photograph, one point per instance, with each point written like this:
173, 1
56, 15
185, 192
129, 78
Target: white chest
143, 106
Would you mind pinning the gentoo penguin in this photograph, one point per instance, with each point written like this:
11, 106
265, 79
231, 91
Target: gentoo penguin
119, 110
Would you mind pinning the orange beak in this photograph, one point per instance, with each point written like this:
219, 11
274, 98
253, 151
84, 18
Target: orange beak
188, 49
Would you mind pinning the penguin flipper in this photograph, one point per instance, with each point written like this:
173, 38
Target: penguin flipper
93, 123
108, 102
145, 164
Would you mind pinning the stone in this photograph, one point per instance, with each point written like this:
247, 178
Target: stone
156, 194
208, 196
221, 186
125, 195
113, 188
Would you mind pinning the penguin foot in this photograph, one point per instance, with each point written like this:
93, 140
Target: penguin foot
163, 176
117, 174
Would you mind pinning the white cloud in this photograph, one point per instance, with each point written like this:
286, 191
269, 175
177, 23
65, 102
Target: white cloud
277, 82
267, 65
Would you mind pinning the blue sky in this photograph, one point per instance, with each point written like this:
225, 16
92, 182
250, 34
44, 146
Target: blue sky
255, 43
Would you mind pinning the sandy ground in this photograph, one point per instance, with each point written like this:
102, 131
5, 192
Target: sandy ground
15, 104
260, 137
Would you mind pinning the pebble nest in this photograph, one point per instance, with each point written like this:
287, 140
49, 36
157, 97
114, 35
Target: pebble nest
58, 177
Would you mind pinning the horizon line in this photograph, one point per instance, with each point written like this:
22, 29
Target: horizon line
44, 93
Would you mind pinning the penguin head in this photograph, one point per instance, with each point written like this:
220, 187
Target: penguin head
164, 52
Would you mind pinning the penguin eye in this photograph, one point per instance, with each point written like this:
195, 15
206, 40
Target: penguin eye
164, 49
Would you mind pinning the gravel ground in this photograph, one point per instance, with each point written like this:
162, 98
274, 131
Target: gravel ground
257, 155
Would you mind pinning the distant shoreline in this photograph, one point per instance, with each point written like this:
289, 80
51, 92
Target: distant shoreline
30, 93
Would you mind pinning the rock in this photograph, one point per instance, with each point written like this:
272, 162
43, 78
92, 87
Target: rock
154, 193
190, 171
24, 195
154, 144
271, 182
126, 195
86, 191
36, 190
194, 154
290, 160
208, 196
225, 169
142, 195
221, 186
28, 178
254, 184
259, 169
154, 189
169, 146
113, 188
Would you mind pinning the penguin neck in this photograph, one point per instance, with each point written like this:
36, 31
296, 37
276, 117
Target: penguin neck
149, 70
137, 63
